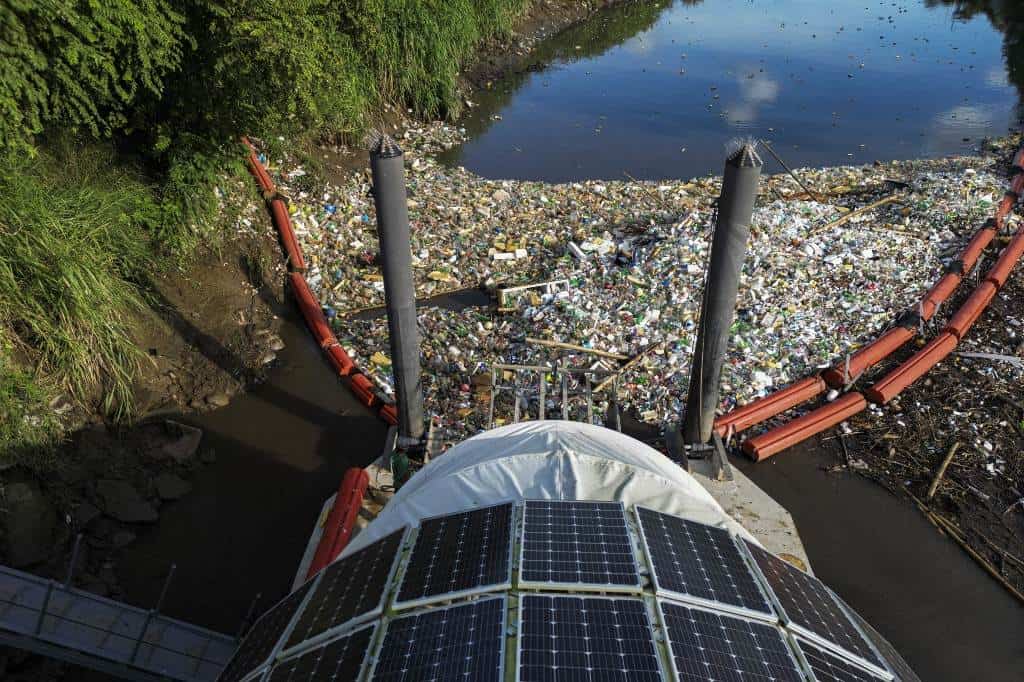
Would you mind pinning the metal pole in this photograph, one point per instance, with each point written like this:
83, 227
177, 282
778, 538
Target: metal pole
387, 164
728, 248
74, 560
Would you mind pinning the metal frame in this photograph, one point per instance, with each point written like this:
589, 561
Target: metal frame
449, 596
562, 595
790, 648
562, 373
386, 623
352, 624
292, 654
797, 641
709, 604
814, 638
583, 587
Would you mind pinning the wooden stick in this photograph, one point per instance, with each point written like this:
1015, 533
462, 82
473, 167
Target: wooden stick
942, 471
574, 347
629, 365
853, 214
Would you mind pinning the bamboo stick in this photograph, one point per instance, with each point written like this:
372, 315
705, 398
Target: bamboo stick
942, 471
574, 347
853, 214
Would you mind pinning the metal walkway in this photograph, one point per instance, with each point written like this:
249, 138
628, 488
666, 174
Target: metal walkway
59, 621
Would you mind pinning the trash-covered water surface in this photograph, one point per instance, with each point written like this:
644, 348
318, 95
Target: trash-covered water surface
822, 274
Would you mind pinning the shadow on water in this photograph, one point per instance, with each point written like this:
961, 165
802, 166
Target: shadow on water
280, 452
935, 605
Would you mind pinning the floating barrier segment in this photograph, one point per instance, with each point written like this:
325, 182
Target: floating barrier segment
971, 310
1004, 265
981, 239
893, 383
776, 440
868, 356
767, 407
941, 291
358, 383
341, 520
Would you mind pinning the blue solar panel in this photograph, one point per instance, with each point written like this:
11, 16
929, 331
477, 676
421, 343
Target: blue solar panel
338, 660
827, 667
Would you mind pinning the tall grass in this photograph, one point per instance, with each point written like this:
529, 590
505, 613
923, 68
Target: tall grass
73, 239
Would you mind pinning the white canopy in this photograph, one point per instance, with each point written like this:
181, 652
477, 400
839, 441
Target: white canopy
554, 460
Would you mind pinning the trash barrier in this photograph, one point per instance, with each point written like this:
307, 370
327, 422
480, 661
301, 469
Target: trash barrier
868, 356
965, 317
776, 440
765, 408
893, 383
342, 519
339, 359
1004, 265
979, 242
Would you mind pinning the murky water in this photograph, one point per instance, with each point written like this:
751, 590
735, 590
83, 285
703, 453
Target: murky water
656, 89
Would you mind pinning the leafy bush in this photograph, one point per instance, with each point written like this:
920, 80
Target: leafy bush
81, 64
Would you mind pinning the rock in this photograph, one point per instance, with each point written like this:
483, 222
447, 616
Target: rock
218, 399
123, 502
171, 487
28, 524
122, 538
85, 514
188, 439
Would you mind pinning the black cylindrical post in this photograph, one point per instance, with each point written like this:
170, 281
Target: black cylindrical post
388, 168
728, 249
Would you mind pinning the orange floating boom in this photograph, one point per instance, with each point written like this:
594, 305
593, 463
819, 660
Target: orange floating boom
284, 227
825, 417
1004, 265
868, 356
341, 520
942, 290
971, 310
893, 383
767, 407
972, 252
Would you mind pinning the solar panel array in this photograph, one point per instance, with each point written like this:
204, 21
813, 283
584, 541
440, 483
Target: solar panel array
700, 562
728, 610
577, 544
827, 667
706, 645
459, 554
586, 638
349, 588
264, 636
339, 660
809, 606
463, 643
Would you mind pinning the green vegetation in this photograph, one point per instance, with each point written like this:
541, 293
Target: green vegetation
118, 119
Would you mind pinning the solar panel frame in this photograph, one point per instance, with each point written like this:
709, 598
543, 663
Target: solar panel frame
367, 656
811, 636
786, 637
356, 621
520, 630
448, 596
257, 670
522, 582
769, 615
386, 624
804, 646
894, 661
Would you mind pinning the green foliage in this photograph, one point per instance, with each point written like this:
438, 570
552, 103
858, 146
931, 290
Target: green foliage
27, 426
73, 240
71, 63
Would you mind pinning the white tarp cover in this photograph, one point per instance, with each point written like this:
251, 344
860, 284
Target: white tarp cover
551, 460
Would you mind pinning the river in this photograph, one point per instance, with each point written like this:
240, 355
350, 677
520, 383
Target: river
655, 90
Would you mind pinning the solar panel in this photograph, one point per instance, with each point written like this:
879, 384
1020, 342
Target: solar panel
464, 643
459, 554
577, 544
339, 660
809, 607
895, 661
351, 588
264, 636
705, 645
599, 639
827, 667
700, 563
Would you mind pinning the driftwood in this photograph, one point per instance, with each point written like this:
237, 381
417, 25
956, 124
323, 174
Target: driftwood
853, 214
942, 471
578, 349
